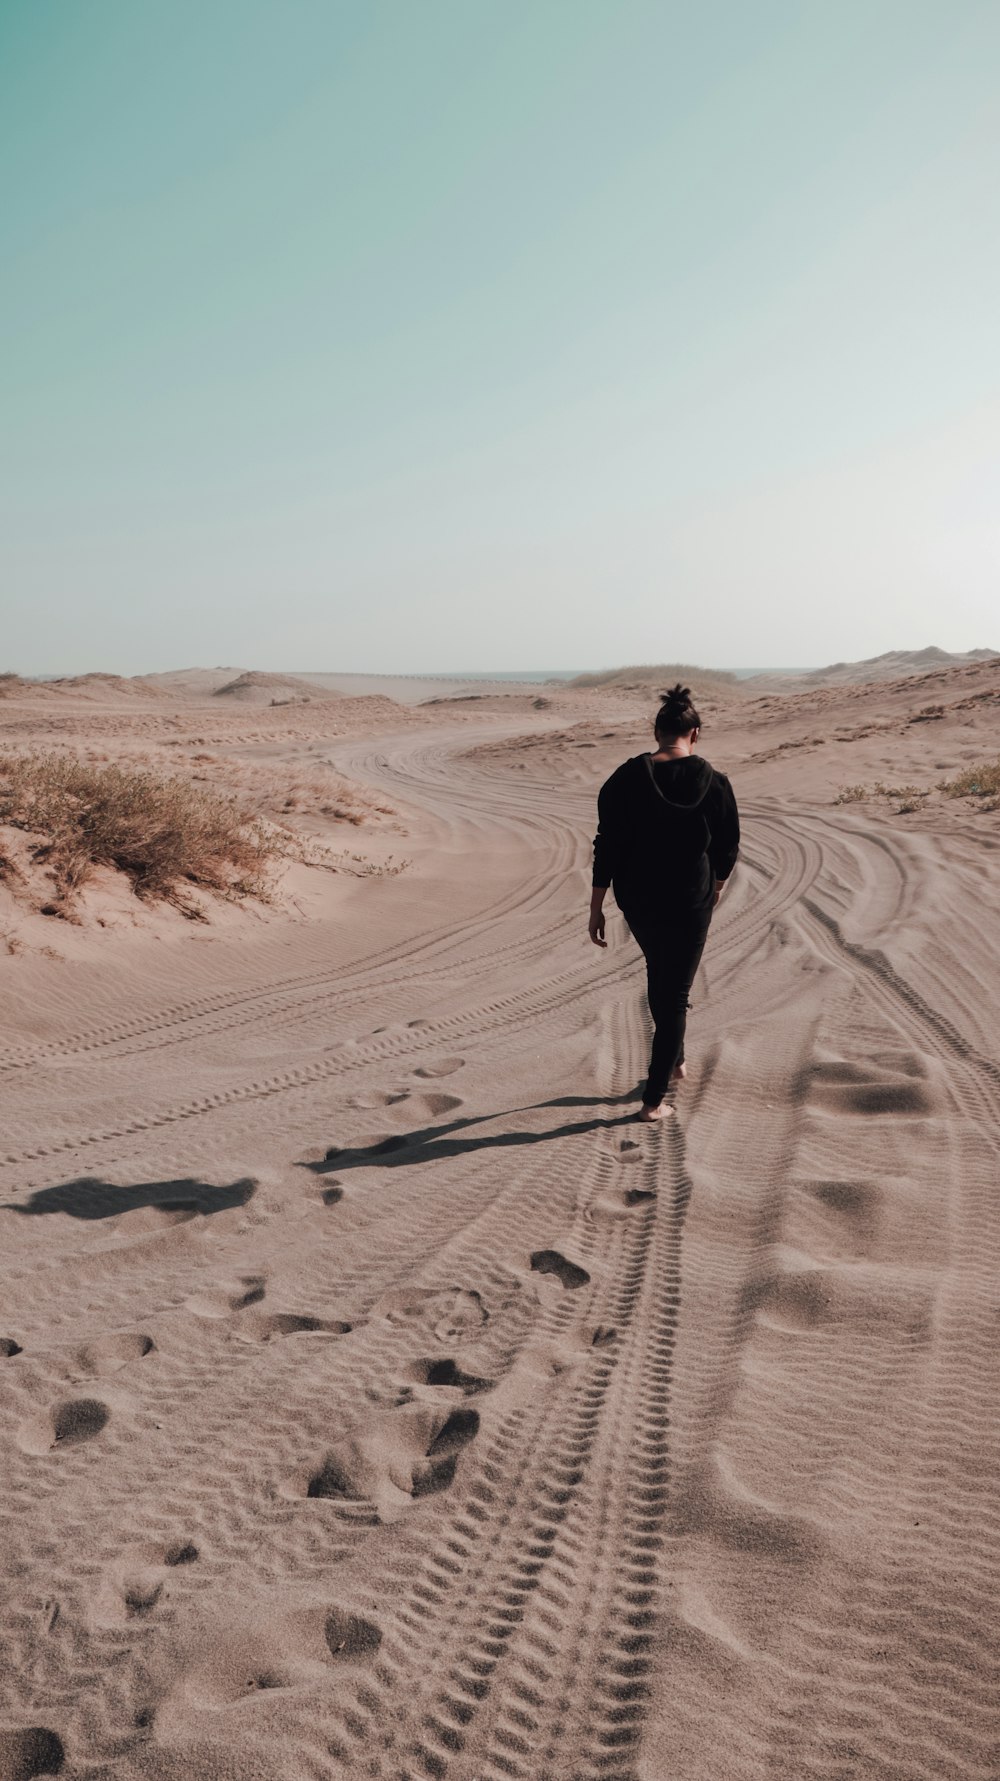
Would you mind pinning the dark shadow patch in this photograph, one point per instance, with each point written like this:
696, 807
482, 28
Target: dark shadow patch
66, 1424
886, 1097
445, 1372
332, 1481
88, 1197
549, 1261
349, 1637
8, 1348
33, 1751
184, 1553
78, 1419
438, 1470
140, 1596
434, 1144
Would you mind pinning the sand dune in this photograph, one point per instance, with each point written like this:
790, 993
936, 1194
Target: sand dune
380, 1399
891, 666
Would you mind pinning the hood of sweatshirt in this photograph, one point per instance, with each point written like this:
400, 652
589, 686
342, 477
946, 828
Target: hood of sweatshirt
683, 782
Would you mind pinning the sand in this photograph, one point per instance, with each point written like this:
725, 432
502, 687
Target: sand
379, 1398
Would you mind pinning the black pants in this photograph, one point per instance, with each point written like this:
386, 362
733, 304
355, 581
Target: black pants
672, 943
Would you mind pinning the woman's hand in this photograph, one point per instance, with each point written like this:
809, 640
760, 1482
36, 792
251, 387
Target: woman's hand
597, 916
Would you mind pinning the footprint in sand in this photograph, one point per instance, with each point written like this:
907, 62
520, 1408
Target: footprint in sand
349, 1637
229, 1296
109, 1354
434, 1105
568, 1274
367, 1103
445, 1066
66, 1424
139, 1579
322, 1162
444, 1374
371, 1144
392, 1459
33, 1750
226, 1660
616, 1202
408, 1105
266, 1326
450, 1313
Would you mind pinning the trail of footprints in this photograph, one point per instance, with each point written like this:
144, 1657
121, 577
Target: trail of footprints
494, 1584
378, 1469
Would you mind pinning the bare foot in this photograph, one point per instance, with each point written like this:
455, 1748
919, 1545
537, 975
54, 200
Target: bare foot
650, 1114
679, 1072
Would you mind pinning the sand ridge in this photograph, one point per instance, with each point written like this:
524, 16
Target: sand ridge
379, 1398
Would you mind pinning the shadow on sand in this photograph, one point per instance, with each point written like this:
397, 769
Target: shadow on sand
432, 1144
90, 1198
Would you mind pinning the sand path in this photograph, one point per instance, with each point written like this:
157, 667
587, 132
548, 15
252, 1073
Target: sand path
387, 1402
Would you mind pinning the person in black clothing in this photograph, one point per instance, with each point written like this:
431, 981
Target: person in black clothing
667, 839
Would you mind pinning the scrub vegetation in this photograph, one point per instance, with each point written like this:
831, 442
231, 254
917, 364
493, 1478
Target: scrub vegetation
164, 833
981, 783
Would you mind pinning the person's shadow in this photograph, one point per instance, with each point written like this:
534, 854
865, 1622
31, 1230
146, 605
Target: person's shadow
89, 1198
437, 1143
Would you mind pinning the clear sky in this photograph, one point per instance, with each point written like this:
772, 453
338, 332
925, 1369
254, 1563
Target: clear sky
425, 334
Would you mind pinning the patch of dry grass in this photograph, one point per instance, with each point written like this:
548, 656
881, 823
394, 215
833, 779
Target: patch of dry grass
856, 794
982, 781
163, 833
907, 798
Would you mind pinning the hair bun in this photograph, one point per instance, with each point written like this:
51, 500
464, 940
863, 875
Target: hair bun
677, 715
677, 697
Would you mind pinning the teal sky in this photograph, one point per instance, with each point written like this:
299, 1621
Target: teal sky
429, 334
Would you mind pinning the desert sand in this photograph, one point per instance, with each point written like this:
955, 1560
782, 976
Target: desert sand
377, 1396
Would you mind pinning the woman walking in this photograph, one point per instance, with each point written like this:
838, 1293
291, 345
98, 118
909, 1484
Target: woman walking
667, 839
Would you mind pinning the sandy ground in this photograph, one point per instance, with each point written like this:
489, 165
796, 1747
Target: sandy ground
377, 1398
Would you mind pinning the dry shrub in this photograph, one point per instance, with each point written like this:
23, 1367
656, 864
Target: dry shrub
163, 833
982, 781
911, 797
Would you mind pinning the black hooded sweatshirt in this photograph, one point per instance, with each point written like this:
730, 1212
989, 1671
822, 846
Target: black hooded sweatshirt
667, 831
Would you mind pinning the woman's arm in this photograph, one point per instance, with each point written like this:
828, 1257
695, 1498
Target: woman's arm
597, 897
604, 854
724, 846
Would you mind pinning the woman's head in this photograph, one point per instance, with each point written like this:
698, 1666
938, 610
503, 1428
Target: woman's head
677, 715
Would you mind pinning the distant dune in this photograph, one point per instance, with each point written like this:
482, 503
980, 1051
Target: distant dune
893, 665
266, 689
659, 675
